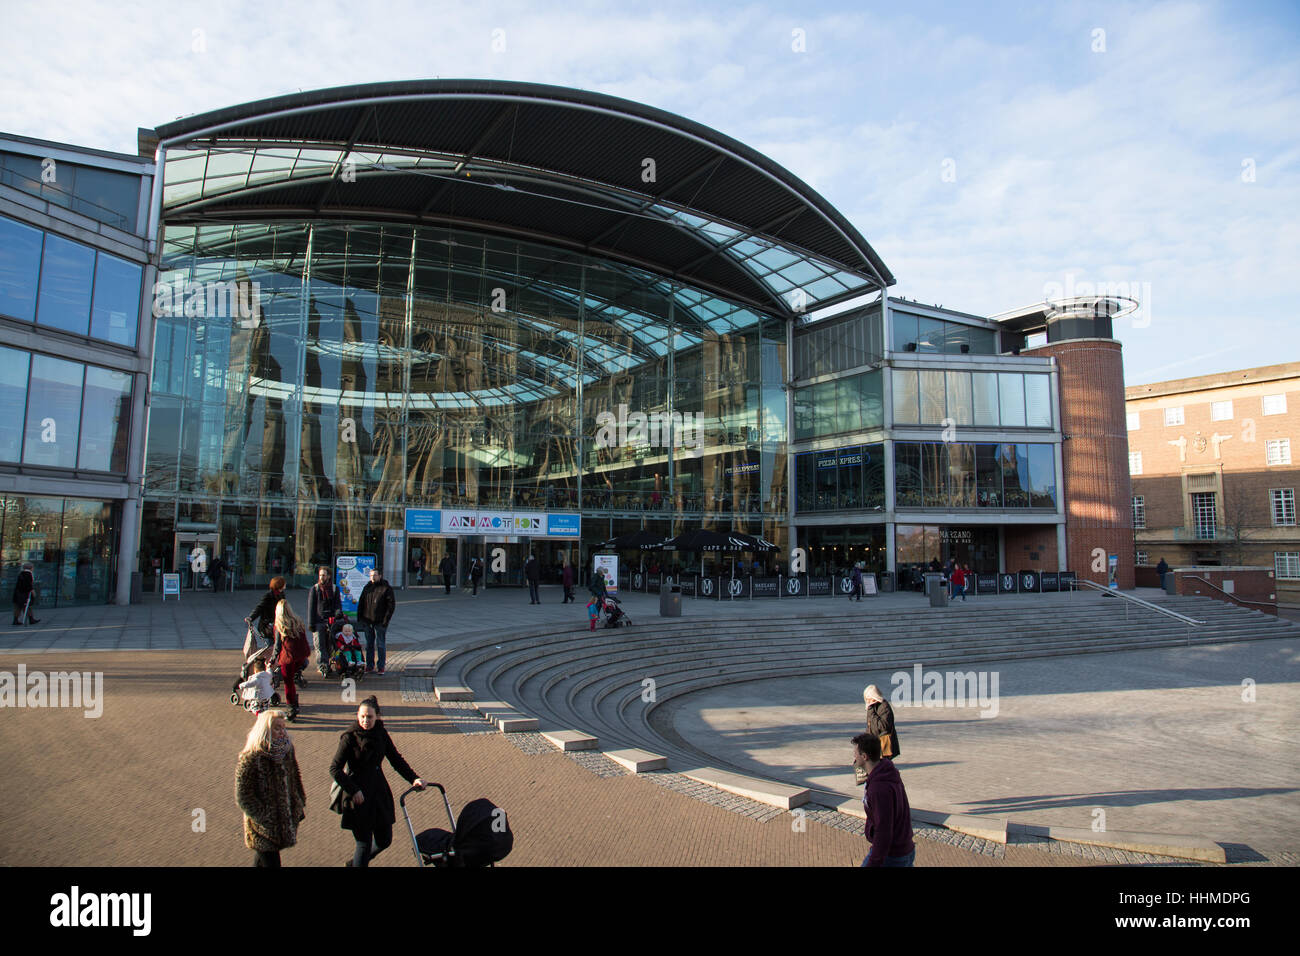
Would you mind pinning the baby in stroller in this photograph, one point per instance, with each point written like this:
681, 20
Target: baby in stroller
257, 659
347, 660
615, 616
256, 692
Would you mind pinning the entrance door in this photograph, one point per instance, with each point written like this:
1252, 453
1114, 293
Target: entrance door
194, 554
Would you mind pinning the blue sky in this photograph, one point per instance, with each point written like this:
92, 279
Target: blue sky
1073, 156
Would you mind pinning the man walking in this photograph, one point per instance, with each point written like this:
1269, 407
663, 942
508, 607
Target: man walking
25, 596
447, 568
374, 610
889, 817
324, 604
566, 578
475, 575
856, 578
533, 572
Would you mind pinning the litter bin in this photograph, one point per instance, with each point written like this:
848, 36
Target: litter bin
137, 587
886, 582
670, 600
938, 592
1170, 588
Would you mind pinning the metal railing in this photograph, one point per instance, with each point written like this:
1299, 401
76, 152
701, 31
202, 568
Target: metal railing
1187, 621
1231, 597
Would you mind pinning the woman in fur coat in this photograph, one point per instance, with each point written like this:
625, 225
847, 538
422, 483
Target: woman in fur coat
268, 788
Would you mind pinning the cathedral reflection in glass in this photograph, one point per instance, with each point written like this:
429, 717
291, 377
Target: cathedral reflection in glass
387, 367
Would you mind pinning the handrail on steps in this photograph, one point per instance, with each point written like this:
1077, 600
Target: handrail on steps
1137, 600
1231, 597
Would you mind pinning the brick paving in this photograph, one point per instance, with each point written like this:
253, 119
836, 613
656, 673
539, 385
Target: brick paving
151, 783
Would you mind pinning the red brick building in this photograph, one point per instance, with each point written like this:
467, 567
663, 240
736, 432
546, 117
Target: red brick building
1213, 474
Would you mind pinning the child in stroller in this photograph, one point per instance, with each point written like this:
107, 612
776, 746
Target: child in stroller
257, 661
347, 660
256, 692
615, 616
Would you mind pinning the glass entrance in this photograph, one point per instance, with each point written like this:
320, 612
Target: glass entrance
194, 554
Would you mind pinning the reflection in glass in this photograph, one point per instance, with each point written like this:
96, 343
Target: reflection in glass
20, 264
1011, 385
53, 412
13, 397
66, 275
105, 420
116, 311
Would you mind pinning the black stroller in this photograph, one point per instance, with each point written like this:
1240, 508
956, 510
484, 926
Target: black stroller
338, 666
482, 835
615, 616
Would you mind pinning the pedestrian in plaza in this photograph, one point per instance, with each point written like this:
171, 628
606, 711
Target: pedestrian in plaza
949, 570
533, 572
475, 574
447, 568
368, 809
264, 613
856, 578
880, 720
566, 578
967, 580
294, 651
26, 594
958, 582
1162, 569
889, 816
216, 570
375, 609
268, 789
324, 604
419, 570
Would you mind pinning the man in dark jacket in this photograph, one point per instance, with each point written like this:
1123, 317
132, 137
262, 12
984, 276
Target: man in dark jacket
566, 577
889, 817
475, 574
374, 610
447, 568
1162, 569
323, 603
25, 595
533, 572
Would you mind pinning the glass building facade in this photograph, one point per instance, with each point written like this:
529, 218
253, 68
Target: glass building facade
383, 367
72, 371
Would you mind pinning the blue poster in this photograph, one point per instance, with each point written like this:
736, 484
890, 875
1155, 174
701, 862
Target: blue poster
351, 574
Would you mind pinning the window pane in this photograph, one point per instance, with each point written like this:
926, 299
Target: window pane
988, 476
13, 394
848, 405
1042, 476
904, 331
907, 474
1038, 401
827, 462
20, 265
930, 336
959, 398
961, 475
1011, 386
932, 398
824, 408
1015, 476
117, 300
905, 397
65, 285
985, 389
106, 417
53, 412
934, 474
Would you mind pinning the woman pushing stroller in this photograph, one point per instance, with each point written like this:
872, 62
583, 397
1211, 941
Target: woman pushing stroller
368, 809
293, 651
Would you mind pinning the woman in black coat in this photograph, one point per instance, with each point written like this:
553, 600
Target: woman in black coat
368, 809
880, 719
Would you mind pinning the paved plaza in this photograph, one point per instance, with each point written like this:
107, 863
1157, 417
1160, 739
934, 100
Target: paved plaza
1159, 739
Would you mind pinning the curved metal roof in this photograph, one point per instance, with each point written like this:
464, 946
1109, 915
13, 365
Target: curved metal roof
582, 170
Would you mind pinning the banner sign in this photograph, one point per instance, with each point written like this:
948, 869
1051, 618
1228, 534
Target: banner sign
1049, 580
986, 584
1028, 582
819, 587
869, 585
1007, 583
171, 585
1066, 580
688, 586
610, 563
351, 574
737, 587
531, 524
765, 587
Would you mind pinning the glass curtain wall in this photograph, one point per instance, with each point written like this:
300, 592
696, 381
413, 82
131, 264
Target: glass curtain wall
378, 367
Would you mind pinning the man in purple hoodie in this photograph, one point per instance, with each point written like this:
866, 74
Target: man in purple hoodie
889, 817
